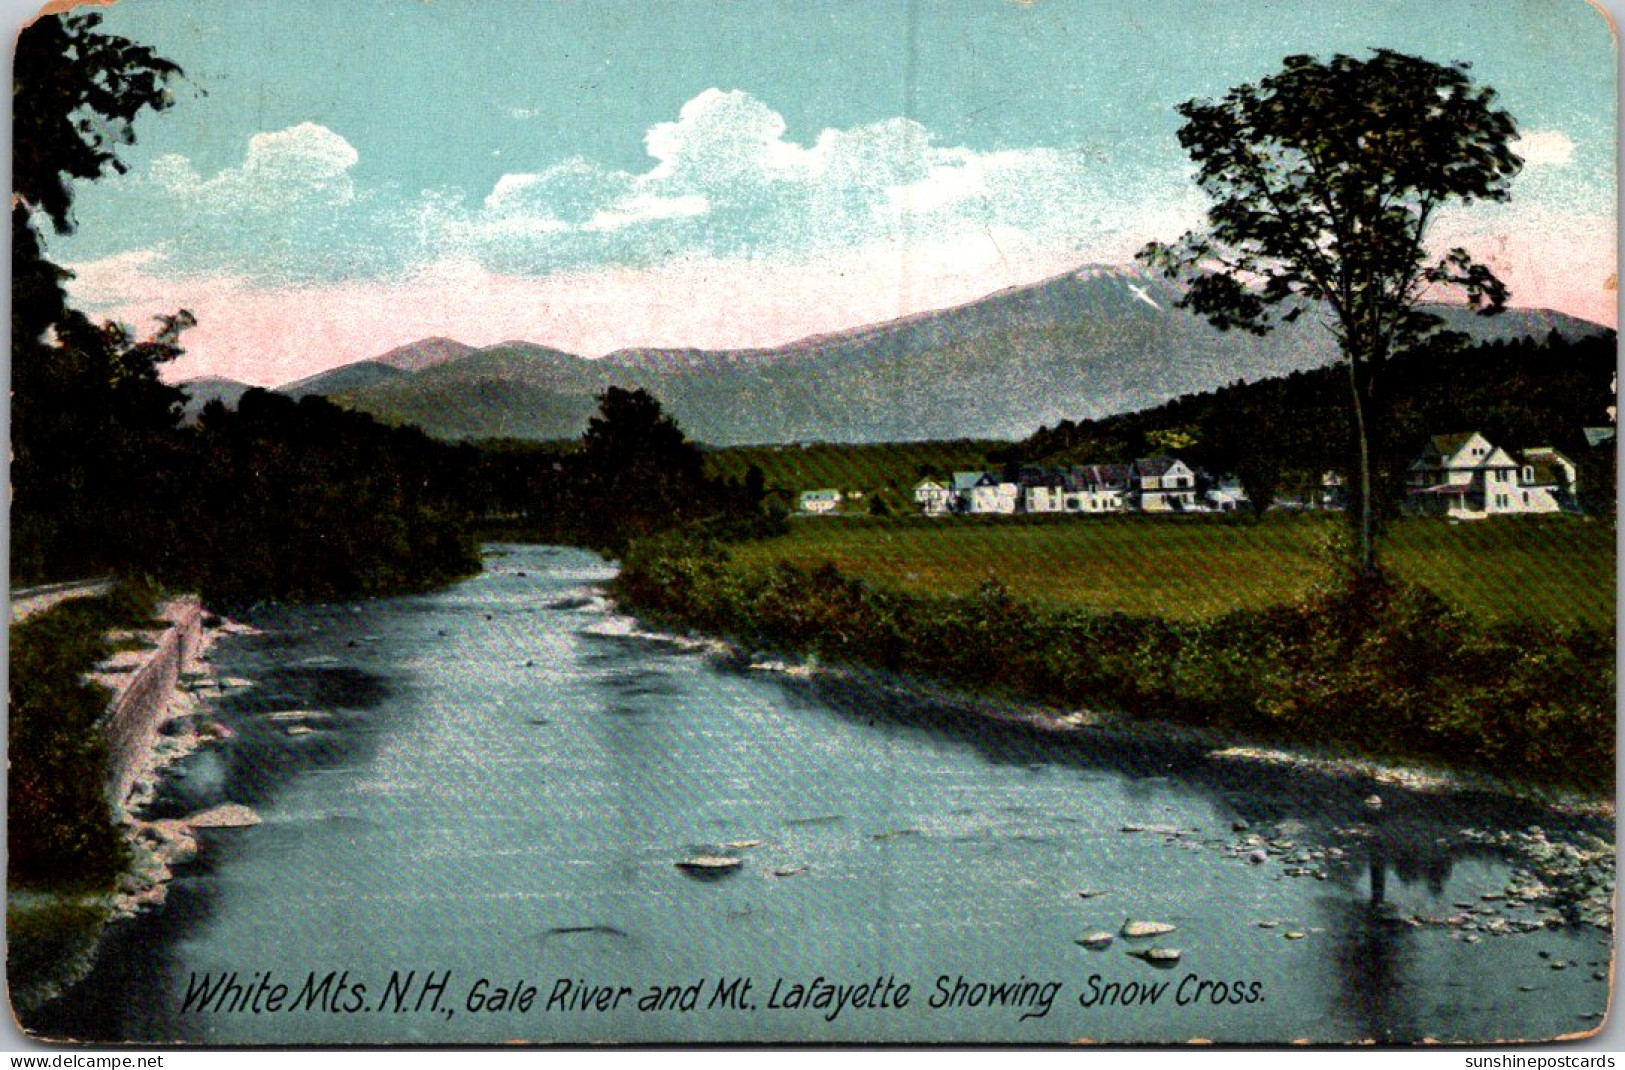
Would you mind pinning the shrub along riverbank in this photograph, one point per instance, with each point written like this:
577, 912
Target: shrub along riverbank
65, 850
60, 831
1383, 668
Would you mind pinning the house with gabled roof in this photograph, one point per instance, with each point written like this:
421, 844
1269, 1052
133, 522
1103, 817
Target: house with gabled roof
981, 493
1466, 477
933, 498
1100, 488
1164, 484
1043, 490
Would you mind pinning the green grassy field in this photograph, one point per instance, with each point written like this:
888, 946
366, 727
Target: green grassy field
1546, 570
1557, 571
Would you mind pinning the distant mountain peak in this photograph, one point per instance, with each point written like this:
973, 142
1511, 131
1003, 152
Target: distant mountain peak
1105, 271
424, 353
1088, 342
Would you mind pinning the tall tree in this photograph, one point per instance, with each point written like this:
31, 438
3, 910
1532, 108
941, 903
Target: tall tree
87, 402
637, 472
1325, 179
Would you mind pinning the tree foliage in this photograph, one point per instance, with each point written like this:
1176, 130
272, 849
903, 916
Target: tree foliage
305, 500
91, 419
634, 474
78, 93
1324, 179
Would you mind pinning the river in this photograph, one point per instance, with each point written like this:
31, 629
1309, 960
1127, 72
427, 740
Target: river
482, 828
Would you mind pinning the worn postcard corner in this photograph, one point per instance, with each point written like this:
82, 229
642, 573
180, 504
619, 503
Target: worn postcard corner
697, 523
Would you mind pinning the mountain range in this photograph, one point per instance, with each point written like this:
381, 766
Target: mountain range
1089, 343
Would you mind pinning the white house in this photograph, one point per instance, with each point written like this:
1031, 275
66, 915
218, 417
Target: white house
985, 492
1099, 488
1166, 484
933, 498
820, 502
1046, 496
1226, 495
1048, 490
1334, 491
1466, 477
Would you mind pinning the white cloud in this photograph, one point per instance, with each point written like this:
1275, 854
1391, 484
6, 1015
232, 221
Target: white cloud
1544, 148
720, 138
303, 162
647, 208
571, 192
115, 280
723, 182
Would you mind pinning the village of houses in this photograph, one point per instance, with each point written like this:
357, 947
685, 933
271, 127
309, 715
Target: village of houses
1458, 476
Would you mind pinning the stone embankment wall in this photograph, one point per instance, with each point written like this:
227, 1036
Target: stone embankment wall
142, 695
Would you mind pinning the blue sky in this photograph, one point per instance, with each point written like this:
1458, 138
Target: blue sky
337, 179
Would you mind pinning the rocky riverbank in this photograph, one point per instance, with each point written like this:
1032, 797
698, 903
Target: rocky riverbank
1223, 745
54, 936
187, 724
1380, 669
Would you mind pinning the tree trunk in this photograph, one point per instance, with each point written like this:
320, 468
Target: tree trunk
1365, 526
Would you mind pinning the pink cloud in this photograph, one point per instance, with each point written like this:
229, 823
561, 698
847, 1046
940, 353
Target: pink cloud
1566, 263
273, 336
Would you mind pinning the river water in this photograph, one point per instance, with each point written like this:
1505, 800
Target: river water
482, 829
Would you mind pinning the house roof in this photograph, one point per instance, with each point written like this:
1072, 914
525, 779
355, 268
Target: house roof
1451, 444
829, 493
1104, 476
967, 480
1445, 450
1544, 452
1159, 465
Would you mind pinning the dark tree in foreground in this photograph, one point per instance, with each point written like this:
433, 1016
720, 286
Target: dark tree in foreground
91, 420
1325, 178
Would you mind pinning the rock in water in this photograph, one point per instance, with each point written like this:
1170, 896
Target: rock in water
1158, 956
224, 816
710, 864
1146, 928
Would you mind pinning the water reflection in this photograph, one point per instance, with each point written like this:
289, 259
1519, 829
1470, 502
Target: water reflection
1413, 836
1371, 959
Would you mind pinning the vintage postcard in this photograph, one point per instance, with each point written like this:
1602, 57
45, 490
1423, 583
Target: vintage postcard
1015, 522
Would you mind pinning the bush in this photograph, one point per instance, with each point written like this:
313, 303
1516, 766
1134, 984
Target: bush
1372, 665
60, 830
